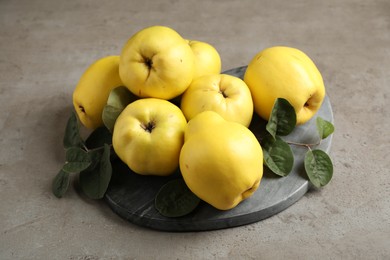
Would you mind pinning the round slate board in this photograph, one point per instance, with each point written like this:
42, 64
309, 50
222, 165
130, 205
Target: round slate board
131, 195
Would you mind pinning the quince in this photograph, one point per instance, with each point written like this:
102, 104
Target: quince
92, 91
207, 58
148, 136
285, 72
157, 62
221, 161
227, 95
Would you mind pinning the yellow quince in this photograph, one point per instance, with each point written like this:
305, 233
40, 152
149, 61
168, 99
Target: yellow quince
157, 62
92, 91
285, 72
221, 161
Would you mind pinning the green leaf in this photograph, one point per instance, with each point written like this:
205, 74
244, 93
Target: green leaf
61, 183
118, 99
110, 114
278, 156
77, 160
95, 156
319, 167
94, 182
175, 199
72, 136
282, 119
98, 138
325, 128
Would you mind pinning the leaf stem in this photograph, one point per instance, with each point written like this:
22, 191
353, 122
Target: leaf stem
85, 147
97, 148
308, 146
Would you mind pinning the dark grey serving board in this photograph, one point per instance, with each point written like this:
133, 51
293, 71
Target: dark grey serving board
131, 195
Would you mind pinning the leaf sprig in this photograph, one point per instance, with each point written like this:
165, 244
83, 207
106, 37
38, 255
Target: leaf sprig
89, 158
278, 156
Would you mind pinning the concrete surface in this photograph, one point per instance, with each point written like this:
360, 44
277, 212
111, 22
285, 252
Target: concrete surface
45, 45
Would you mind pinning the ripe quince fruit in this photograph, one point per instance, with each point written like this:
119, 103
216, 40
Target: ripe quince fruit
92, 91
285, 72
227, 95
157, 62
207, 58
148, 136
221, 161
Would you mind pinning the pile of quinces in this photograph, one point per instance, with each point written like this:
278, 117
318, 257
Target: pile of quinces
170, 107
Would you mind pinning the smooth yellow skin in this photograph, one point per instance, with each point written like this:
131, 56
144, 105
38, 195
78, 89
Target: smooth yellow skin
92, 91
207, 58
227, 95
221, 161
157, 62
284, 72
148, 136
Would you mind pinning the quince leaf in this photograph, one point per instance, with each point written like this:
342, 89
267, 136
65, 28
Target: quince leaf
110, 114
118, 99
72, 137
94, 181
175, 199
61, 183
283, 118
77, 160
319, 167
98, 138
278, 156
325, 128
